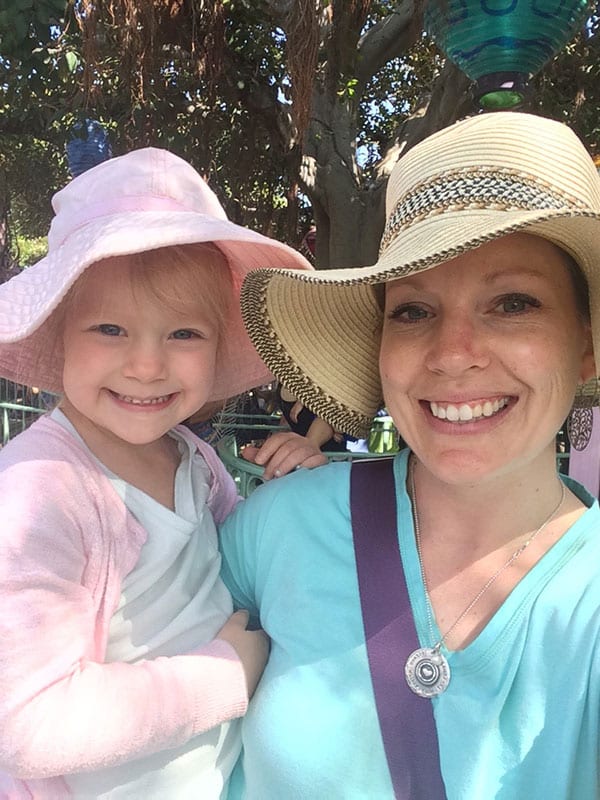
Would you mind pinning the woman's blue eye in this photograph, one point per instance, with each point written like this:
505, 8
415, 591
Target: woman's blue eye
517, 303
109, 330
409, 313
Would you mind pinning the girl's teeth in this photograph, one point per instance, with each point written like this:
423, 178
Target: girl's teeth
465, 412
151, 402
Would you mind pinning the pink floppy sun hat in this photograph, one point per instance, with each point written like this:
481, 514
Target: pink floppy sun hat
144, 200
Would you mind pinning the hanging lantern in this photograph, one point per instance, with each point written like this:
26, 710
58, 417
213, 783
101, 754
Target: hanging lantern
500, 44
88, 146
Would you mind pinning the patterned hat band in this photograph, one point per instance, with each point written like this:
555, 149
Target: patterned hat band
475, 187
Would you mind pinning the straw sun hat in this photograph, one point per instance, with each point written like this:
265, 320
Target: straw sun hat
141, 201
475, 181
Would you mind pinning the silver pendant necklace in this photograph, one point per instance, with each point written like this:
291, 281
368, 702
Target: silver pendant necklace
427, 670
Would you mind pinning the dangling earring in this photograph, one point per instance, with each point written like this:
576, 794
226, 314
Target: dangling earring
581, 418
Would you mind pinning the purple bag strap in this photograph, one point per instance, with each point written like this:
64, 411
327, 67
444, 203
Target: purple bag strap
406, 720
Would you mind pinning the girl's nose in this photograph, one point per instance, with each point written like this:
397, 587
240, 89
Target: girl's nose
457, 344
145, 362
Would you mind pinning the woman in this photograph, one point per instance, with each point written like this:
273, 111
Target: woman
474, 329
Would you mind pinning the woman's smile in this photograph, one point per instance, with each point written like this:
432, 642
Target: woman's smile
467, 411
482, 346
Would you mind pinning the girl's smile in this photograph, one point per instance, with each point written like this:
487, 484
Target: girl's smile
134, 367
144, 404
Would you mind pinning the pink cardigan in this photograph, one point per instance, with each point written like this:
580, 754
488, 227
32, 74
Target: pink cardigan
66, 542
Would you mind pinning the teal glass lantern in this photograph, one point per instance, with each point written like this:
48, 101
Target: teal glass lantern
500, 44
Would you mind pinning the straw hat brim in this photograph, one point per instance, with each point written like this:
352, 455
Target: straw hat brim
29, 299
319, 332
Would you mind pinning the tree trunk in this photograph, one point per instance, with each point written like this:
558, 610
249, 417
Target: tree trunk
6, 258
349, 215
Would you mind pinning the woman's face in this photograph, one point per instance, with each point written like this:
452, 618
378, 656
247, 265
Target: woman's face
480, 358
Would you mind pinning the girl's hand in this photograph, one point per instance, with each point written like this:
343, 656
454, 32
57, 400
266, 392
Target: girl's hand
283, 452
252, 647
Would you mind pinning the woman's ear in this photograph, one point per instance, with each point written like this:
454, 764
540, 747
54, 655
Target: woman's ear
588, 362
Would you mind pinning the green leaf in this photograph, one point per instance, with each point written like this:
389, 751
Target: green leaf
72, 61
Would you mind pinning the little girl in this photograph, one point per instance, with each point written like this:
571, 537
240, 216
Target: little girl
122, 669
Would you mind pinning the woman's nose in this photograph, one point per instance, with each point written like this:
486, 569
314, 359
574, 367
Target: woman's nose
458, 343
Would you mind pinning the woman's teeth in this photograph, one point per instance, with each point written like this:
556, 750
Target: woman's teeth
465, 412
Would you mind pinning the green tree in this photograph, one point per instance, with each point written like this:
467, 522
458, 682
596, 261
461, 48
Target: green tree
290, 108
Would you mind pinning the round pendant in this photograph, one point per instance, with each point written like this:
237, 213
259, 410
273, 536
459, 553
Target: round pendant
427, 672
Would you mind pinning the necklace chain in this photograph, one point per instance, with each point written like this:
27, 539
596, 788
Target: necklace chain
490, 580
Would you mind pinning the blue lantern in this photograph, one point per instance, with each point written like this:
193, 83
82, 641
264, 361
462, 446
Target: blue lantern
88, 146
500, 44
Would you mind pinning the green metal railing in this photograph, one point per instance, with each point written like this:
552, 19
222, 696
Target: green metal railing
248, 475
16, 417
19, 407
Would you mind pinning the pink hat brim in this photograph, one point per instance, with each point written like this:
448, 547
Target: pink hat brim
28, 300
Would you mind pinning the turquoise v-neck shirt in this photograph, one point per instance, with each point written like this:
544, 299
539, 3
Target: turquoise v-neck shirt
519, 720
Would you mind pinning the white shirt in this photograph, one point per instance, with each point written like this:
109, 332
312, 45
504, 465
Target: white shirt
171, 602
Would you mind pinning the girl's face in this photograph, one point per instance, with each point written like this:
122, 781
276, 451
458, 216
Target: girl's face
134, 367
480, 358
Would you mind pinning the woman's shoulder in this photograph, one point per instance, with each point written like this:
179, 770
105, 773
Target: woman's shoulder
296, 501
332, 478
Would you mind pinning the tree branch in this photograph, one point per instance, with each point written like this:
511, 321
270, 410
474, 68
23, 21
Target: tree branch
388, 39
279, 9
449, 100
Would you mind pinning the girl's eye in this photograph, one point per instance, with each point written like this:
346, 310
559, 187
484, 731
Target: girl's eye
409, 312
183, 334
517, 303
109, 330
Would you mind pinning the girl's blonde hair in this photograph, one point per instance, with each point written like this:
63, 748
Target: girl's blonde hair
172, 275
